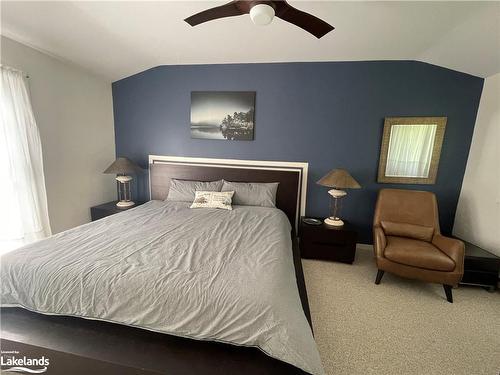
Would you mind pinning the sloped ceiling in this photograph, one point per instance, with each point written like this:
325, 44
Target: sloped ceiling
118, 39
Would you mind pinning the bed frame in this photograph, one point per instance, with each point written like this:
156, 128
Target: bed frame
80, 346
292, 177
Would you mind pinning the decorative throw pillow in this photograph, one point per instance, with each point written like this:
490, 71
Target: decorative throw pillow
213, 199
418, 232
184, 190
252, 193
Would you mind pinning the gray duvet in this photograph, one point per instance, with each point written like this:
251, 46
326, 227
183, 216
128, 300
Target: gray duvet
205, 274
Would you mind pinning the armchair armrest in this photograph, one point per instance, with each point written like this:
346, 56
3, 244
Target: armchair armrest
379, 241
452, 247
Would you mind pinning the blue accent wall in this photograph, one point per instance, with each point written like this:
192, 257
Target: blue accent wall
328, 114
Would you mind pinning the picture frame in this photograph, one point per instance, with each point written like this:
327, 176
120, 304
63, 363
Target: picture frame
223, 115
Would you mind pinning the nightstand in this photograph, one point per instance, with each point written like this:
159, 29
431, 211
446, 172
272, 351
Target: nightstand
328, 242
481, 268
107, 209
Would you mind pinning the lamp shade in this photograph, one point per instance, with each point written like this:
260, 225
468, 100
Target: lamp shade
123, 166
340, 179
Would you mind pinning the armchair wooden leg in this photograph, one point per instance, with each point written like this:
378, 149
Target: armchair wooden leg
380, 273
447, 290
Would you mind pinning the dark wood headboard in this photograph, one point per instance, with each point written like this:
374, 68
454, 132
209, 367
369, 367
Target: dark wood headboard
292, 177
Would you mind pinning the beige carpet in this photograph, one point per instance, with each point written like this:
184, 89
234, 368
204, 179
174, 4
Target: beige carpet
400, 326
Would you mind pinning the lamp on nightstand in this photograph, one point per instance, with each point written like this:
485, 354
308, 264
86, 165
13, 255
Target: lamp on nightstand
123, 168
337, 179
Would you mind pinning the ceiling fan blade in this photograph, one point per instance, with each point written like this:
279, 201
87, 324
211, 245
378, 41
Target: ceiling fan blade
304, 20
227, 10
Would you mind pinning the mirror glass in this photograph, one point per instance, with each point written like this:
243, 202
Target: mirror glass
410, 150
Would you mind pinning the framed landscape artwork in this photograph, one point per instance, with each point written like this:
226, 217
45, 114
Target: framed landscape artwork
224, 115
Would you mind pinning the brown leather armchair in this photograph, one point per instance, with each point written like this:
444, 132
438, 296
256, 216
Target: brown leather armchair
407, 240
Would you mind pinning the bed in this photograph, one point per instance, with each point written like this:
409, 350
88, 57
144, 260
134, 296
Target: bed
164, 288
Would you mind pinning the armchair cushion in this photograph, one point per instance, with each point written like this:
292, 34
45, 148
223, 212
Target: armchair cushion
417, 253
417, 232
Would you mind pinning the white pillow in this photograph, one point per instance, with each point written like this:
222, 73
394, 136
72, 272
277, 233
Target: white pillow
213, 199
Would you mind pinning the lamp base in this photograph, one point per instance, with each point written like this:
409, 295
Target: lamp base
124, 204
334, 221
337, 193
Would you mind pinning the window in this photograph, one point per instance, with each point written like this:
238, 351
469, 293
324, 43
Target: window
24, 215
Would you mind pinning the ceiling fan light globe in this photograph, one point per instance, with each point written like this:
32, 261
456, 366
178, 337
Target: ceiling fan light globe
262, 14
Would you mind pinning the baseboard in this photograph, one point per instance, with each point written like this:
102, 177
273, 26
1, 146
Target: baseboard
364, 246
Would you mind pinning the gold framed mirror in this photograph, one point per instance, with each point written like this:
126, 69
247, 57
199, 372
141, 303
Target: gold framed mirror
410, 150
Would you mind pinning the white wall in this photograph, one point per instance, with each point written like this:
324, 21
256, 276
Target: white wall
74, 112
478, 212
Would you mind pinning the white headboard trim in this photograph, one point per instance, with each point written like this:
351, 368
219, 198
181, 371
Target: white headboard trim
300, 167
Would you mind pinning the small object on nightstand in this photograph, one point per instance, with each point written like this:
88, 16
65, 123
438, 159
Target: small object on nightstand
311, 221
107, 209
328, 242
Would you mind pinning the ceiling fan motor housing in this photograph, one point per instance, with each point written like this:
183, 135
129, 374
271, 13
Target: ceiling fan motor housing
262, 14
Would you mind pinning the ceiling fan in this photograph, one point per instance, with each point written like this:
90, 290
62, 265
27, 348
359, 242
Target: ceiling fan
262, 13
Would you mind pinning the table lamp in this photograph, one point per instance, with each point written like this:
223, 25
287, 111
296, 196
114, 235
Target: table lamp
337, 179
123, 168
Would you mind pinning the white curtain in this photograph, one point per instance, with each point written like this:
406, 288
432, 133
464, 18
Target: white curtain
23, 215
410, 150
